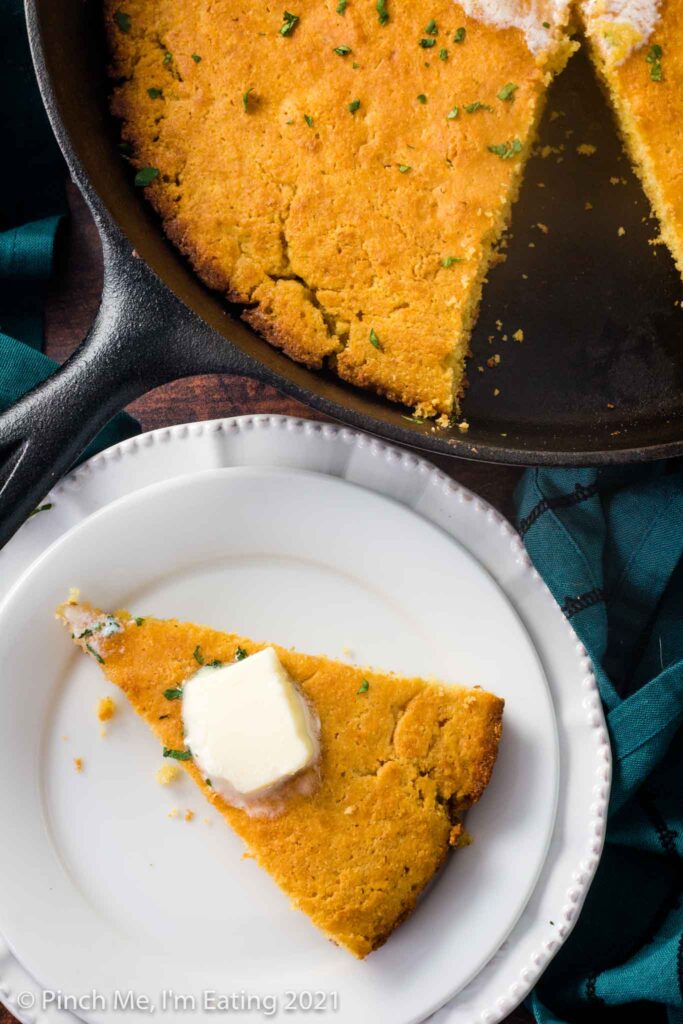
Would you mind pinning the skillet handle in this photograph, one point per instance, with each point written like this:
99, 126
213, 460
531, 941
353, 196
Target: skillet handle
142, 337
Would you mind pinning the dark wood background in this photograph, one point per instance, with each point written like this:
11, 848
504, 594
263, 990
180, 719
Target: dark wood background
71, 307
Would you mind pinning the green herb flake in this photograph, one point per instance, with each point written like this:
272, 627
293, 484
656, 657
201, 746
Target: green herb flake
209, 783
355, 66
404, 168
154, 94
382, 12
443, 53
427, 44
546, 24
654, 59
506, 150
374, 340
96, 655
459, 36
431, 28
197, 655
146, 176
452, 113
289, 23
41, 508
177, 755
656, 72
122, 21
448, 261
174, 694
216, 663
240, 654
139, 621
309, 120
354, 105
421, 98
168, 57
507, 91
161, 717
341, 6
472, 108
196, 58
342, 50
413, 419
364, 687
245, 99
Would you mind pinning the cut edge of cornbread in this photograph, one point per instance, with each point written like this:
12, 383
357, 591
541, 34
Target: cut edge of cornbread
402, 759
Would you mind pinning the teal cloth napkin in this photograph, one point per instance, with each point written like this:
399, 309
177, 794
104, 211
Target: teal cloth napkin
608, 543
32, 208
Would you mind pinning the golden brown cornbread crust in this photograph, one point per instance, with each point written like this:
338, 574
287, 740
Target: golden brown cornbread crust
315, 227
650, 113
399, 764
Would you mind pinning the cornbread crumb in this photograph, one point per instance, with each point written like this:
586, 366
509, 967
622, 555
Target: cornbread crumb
543, 227
167, 773
493, 360
519, 335
106, 709
78, 764
189, 815
587, 205
463, 426
173, 813
586, 149
621, 232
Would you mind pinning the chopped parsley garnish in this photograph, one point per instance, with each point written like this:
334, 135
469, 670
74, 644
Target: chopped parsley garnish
472, 108
240, 654
341, 6
216, 663
245, 100
452, 113
196, 58
309, 120
174, 694
431, 29
654, 59
86, 632
427, 44
197, 655
146, 176
139, 621
154, 94
355, 66
342, 50
161, 717
290, 21
443, 53
96, 655
374, 340
413, 419
404, 168
178, 755
506, 150
448, 261
459, 36
354, 105
382, 12
546, 24
41, 508
168, 57
507, 91
364, 687
122, 21
421, 98
209, 783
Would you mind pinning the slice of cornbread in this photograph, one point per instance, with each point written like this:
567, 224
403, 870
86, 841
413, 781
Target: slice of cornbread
344, 170
637, 48
401, 760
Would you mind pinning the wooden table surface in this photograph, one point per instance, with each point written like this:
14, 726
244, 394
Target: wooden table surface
71, 306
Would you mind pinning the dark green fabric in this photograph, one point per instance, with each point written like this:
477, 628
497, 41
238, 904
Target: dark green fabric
609, 545
32, 208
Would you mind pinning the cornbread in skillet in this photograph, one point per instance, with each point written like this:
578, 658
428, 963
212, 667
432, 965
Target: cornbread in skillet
637, 47
344, 170
401, 760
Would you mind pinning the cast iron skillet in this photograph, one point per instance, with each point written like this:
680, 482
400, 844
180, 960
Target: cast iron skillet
596, 380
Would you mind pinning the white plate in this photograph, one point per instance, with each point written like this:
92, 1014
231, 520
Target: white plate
100, 890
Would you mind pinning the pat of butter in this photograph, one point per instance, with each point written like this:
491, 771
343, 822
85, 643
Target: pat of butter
247, 725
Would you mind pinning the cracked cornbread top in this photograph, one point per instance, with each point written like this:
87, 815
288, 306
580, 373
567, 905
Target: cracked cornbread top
344, 170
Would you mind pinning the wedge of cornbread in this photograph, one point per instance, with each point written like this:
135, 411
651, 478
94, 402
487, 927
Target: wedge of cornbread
637, 48
344, 170
401, 760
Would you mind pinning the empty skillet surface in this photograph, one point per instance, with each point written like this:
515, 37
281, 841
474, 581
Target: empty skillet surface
597, 306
